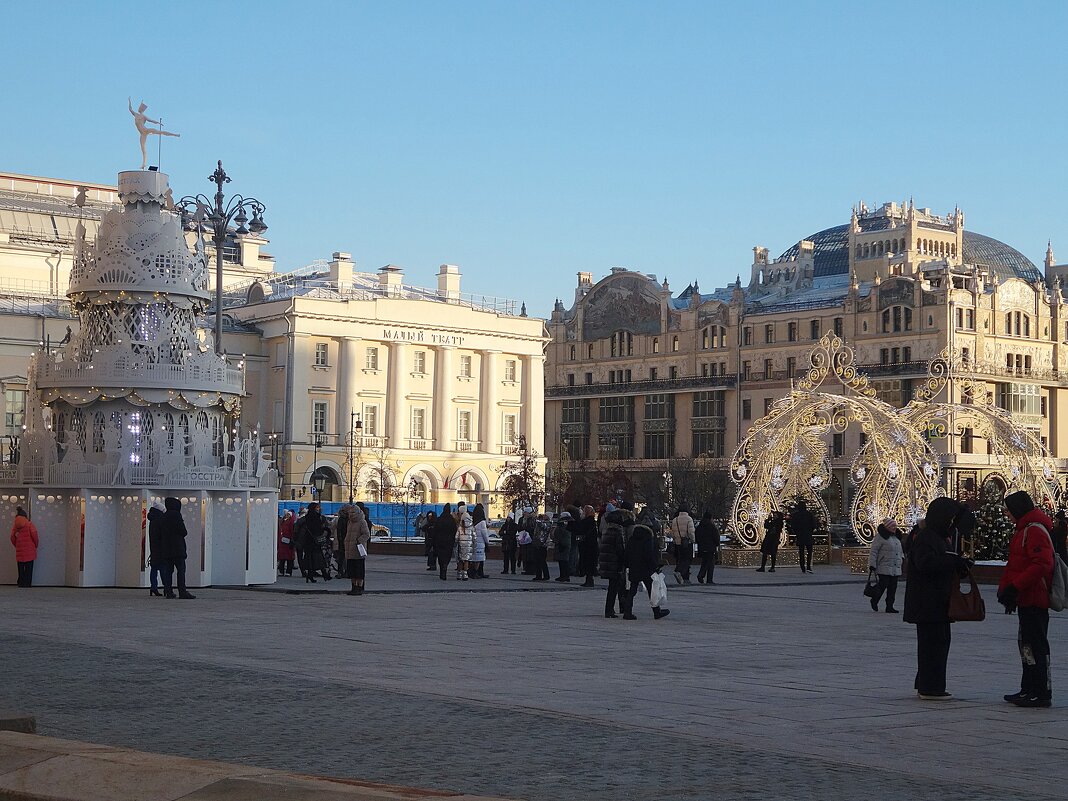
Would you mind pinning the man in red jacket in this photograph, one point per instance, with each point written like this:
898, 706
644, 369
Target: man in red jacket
1024, 588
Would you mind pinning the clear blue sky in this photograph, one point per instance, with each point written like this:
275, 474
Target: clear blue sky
526, 141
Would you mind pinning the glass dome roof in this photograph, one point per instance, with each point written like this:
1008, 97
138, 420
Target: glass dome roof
831, 254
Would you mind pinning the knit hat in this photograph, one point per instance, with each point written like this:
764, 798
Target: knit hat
1019, 504
565, 516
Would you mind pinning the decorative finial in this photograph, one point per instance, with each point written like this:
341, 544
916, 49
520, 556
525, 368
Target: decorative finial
523, 310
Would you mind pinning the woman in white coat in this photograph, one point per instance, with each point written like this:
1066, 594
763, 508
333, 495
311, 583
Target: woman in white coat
465, 541
477, 568
885, 561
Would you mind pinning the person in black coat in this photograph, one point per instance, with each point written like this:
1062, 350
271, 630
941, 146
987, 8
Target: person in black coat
643, 559
932, 568
509, 543
315, 547
172, 534
588, 544
1060, 535
426, 528
802, 525
155, 543
769, 546
707, 539
612, 564
444, 540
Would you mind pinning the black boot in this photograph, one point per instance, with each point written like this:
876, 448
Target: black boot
659, 613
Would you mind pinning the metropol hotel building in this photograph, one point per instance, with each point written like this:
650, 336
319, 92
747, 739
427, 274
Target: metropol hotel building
638, 374
363, 379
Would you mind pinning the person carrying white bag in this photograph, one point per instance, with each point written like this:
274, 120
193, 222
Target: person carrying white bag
643, 565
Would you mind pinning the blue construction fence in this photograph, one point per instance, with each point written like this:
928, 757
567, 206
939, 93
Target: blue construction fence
390, 515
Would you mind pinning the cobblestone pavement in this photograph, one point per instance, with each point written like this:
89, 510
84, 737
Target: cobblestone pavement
768, 692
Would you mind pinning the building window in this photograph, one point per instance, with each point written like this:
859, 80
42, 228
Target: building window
508, 429
319, 417
656, 345
14, 411
906, 354
575, 411
616, 442
704, 371
884, 356
1042, 406
747, 409
463, 426
674, 344
747, 370
509, 369
371, 361
791, 332
660, 406
708, 443
1019, 398
571, 353
571, 379
419, 362
769, 334
814, 329
967, 443
465, 366
767, 404
965, 356
589, 351
747, 336
589, 378
370, 421
712, 403
704, 338
673, 372
838, 445
280, 354
767, 370
652, 374
838, 326
791, 366
418, 423
321, 352
659, 444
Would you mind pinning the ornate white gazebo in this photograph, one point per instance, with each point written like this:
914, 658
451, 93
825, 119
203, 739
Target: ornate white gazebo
137, 406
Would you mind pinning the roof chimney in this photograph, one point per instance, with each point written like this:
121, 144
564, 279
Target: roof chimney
449, 282
341, 267
390, 279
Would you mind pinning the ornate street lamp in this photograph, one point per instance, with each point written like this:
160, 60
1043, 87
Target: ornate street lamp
355, 430
198, 211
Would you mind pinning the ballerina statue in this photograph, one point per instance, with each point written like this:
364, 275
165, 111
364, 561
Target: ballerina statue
141, 120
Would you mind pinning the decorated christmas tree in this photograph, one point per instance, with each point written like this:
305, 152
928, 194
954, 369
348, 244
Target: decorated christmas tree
993, 529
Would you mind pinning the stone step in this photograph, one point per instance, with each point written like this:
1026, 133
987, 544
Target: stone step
33, 767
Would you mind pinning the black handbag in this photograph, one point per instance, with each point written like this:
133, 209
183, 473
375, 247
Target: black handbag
871, 588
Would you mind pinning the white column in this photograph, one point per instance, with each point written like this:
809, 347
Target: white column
533, 393
397, 428
488, 413
348, 372
444, 376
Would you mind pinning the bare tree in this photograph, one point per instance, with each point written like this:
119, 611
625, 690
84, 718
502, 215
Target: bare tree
521, 478
405, 495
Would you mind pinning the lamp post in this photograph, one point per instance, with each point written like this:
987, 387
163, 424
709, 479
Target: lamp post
199, 209
355, 429
272, 438
317, 442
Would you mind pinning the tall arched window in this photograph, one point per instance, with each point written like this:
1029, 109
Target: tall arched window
571, 354
656, 345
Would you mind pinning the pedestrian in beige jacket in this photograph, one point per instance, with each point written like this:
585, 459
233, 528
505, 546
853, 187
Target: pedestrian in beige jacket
683, 534
357, 538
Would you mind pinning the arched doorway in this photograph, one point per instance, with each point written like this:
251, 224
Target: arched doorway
331, 482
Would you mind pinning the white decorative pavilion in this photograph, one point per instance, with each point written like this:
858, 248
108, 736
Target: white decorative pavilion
137, 406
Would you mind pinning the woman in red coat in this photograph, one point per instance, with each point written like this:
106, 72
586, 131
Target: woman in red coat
24, 538
1024, 589
286, 552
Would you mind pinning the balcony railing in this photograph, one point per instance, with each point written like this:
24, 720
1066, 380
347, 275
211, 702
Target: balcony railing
698, 382
465, 445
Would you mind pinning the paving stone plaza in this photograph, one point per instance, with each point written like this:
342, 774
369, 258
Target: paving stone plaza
763, 686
